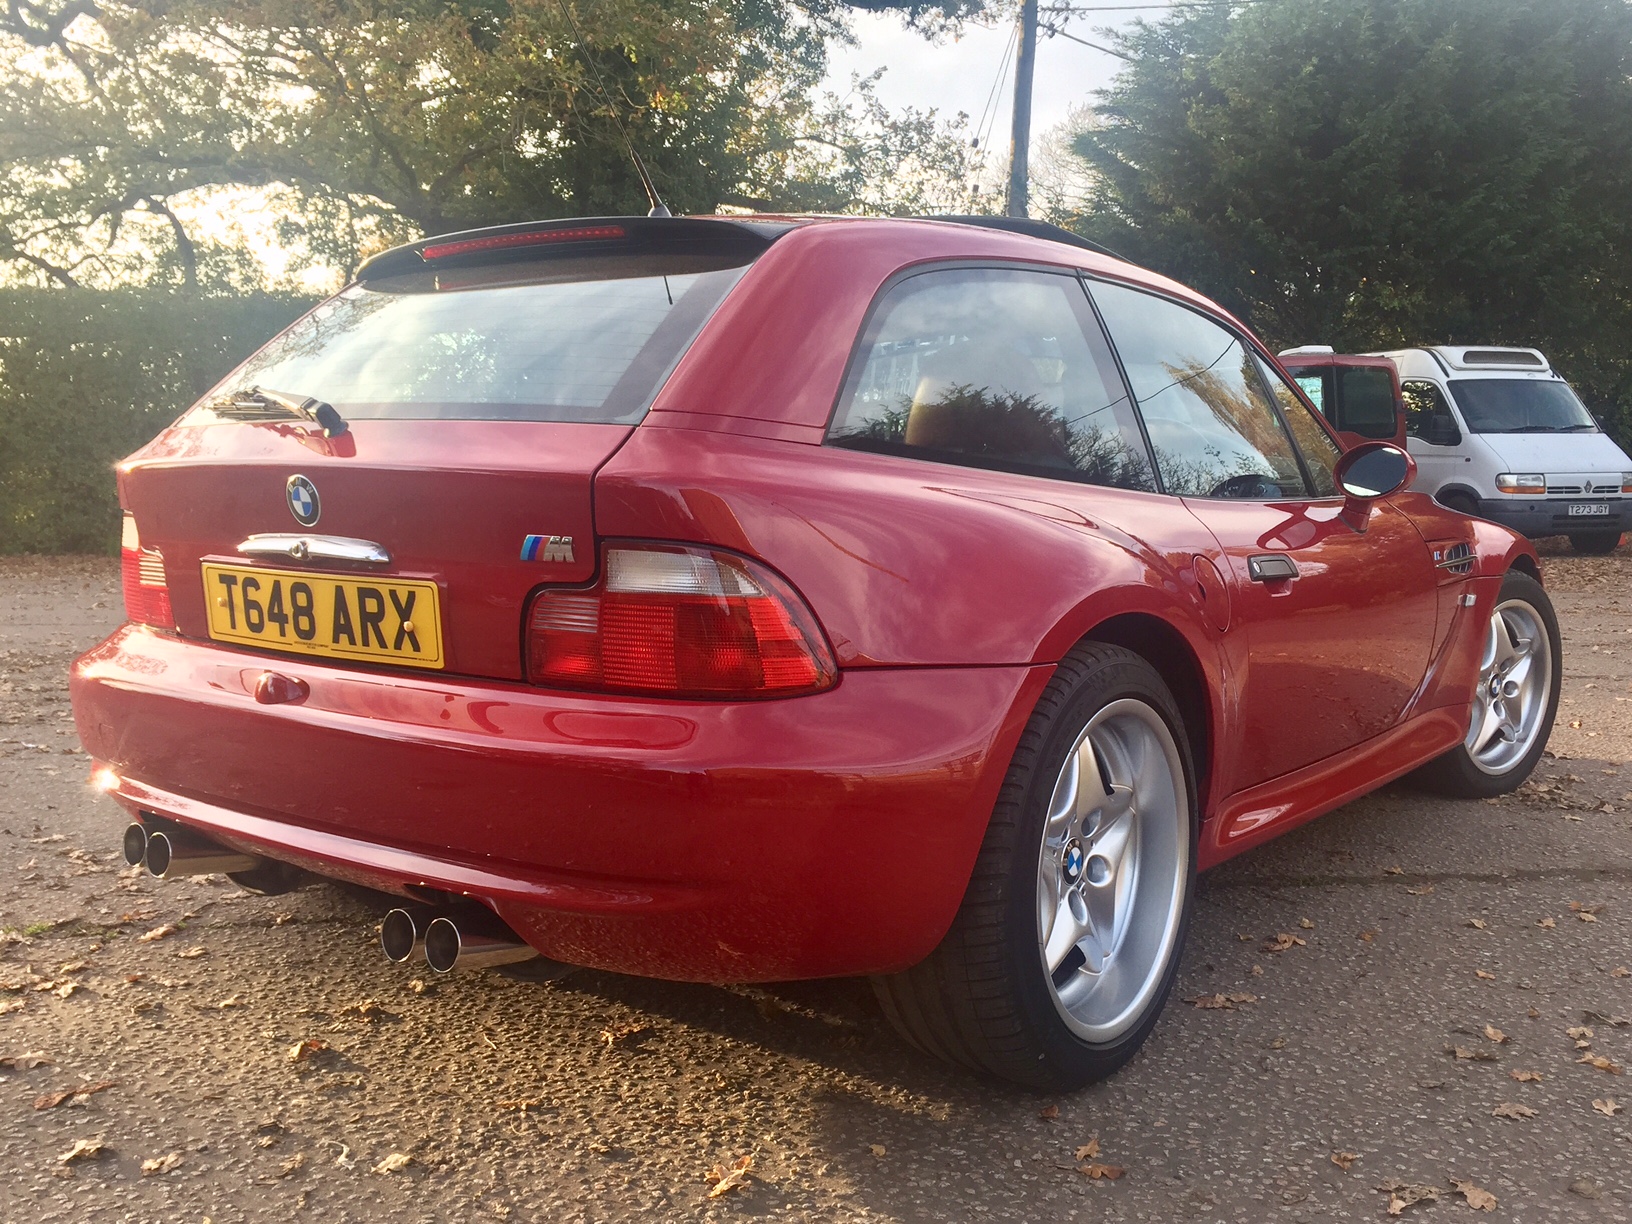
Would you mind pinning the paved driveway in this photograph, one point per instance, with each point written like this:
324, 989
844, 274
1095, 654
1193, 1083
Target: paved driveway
273, 1066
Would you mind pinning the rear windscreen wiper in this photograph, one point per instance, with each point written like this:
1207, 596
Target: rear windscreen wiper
262, 403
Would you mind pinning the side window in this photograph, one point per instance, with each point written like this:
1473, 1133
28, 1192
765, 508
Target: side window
1211, 424
1367, 395
1427, 415
1320, 453
1315, 384
993, 368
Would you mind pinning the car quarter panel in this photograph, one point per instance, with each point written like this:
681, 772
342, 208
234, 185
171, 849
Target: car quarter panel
827, 834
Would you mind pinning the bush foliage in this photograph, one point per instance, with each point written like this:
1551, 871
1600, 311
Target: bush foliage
86, 378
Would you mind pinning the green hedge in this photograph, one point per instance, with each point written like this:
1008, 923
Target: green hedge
86, 378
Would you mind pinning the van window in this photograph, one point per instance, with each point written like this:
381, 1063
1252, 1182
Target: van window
993, 368
1320, 452
1520, 405
1427, 415
1366, 394
1212, 425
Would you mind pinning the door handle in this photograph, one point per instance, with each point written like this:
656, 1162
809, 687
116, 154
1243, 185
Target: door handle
1271, 568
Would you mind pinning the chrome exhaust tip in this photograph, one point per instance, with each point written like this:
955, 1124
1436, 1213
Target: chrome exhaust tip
402, 936
135, 845
175, 853
474, 940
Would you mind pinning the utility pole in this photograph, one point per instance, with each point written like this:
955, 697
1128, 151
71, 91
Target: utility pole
1020, 133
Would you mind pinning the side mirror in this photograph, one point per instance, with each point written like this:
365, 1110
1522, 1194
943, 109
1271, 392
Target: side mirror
1442, 431
1369, 472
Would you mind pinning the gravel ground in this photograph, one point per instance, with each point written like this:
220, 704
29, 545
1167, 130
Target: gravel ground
267, 1063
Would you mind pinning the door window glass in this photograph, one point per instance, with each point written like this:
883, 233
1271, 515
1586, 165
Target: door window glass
1427, 415
993, 368
1320, 453
1212, 426
1367, 396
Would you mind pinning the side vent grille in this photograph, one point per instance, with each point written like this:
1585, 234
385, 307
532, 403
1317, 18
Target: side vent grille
1455, 559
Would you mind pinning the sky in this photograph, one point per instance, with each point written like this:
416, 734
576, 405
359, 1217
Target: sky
959, 75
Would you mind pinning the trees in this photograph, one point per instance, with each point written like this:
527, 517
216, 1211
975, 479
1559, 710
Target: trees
1371, 172
373, 120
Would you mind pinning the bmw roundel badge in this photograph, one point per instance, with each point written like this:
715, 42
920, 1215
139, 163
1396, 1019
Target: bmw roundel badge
303, 502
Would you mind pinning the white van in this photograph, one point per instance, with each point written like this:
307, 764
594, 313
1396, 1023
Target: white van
1496, 433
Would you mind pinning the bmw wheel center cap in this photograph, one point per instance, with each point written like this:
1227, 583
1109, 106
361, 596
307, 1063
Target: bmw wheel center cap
303, 500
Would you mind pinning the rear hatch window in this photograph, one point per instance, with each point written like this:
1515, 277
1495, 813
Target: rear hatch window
573, 339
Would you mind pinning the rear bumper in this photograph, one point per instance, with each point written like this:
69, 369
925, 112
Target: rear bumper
1550, 516
822, 835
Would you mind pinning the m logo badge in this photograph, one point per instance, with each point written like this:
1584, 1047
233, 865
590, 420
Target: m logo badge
546, 548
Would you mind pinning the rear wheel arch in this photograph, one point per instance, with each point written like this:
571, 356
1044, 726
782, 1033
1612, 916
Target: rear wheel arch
1167, 650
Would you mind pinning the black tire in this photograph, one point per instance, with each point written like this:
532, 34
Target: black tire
982, 999
1461, 503
1456, 773
1595, 543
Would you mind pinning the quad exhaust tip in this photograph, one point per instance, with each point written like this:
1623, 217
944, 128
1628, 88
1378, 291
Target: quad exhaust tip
402, 936
135, 844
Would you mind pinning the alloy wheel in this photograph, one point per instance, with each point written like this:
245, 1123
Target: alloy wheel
1515, 678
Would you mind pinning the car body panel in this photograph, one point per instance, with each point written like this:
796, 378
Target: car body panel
825, 834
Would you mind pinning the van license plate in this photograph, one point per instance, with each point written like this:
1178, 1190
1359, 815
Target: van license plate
377, 620
1588, 508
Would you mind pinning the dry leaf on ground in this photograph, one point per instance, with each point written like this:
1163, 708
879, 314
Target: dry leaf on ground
1507, 1109
1526, 1077
1467, 1055
1620, 971
1403, 1194
622, 1033
1095, 1171
1479, 1200
1049, 1112
1282, 941
26, 1062
158, 932
1393, 870
1546, 924
394, 1162
50, 1100
877, 1149
1366, 936
1221, 1002
1478, 924
1307, 924
727, 1179
1608, 1107
306, 1047
1601, 1062
1492, 1033
291, 1164
83, 1149
1484, 976
1579, 1032
1344, 1159
1422, 890
1090, 1149
160, 1164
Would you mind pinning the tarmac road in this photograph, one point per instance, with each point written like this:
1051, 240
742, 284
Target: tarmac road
1421, 922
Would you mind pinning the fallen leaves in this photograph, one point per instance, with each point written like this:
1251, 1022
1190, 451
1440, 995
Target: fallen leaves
289, 1165
1546, 924
1608, 1106
1282, 942
1308, 924
160, 1164
734, 1176
1404, 1194
1492, 1033
623, 1034
1507, 1109
1483, 975
1586, 913
1344, 1159
1366, 936
1620, 971
193, 953
394, 1163
1091, 1168
83, 1149
1478, 924
305, 1048
369, 1010
79, 1095
158, 932
1579, 1033
1464, 1054
1221, 1002
1421, 890
877, 1149
1600, 1061
1526, 1077
26, 1062
1049, 1112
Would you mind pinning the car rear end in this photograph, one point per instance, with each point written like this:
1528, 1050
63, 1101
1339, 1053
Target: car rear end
399, 653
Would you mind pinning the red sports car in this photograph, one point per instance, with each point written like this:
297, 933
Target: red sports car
733, 599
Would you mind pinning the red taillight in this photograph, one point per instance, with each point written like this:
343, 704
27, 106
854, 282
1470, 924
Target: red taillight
679, 622
147, 593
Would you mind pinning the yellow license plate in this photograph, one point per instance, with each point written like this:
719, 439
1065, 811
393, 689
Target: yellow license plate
385, 620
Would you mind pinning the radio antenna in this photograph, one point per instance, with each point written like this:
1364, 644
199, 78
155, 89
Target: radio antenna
658, 209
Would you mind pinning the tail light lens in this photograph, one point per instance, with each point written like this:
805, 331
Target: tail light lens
147, 593
679, 622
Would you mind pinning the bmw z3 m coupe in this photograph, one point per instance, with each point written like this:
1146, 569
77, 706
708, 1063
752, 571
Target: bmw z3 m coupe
742, 599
